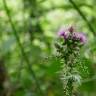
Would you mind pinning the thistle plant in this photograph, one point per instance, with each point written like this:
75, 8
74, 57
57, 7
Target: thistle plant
69, 51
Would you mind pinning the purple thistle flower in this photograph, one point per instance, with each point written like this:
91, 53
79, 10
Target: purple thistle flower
79, 36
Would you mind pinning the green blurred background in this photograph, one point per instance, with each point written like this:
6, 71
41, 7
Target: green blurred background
28, 31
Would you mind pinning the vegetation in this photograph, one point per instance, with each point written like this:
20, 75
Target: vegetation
29, 62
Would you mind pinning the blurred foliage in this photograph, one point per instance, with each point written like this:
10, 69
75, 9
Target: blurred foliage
28, 31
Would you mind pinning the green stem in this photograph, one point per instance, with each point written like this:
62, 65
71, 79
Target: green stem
70, 87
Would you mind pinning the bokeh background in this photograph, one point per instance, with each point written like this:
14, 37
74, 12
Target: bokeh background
28, 31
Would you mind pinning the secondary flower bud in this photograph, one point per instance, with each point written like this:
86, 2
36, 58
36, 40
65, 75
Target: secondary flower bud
71, 29
63, 33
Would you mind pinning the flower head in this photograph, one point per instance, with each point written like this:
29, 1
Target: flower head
67, 33
79, 36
